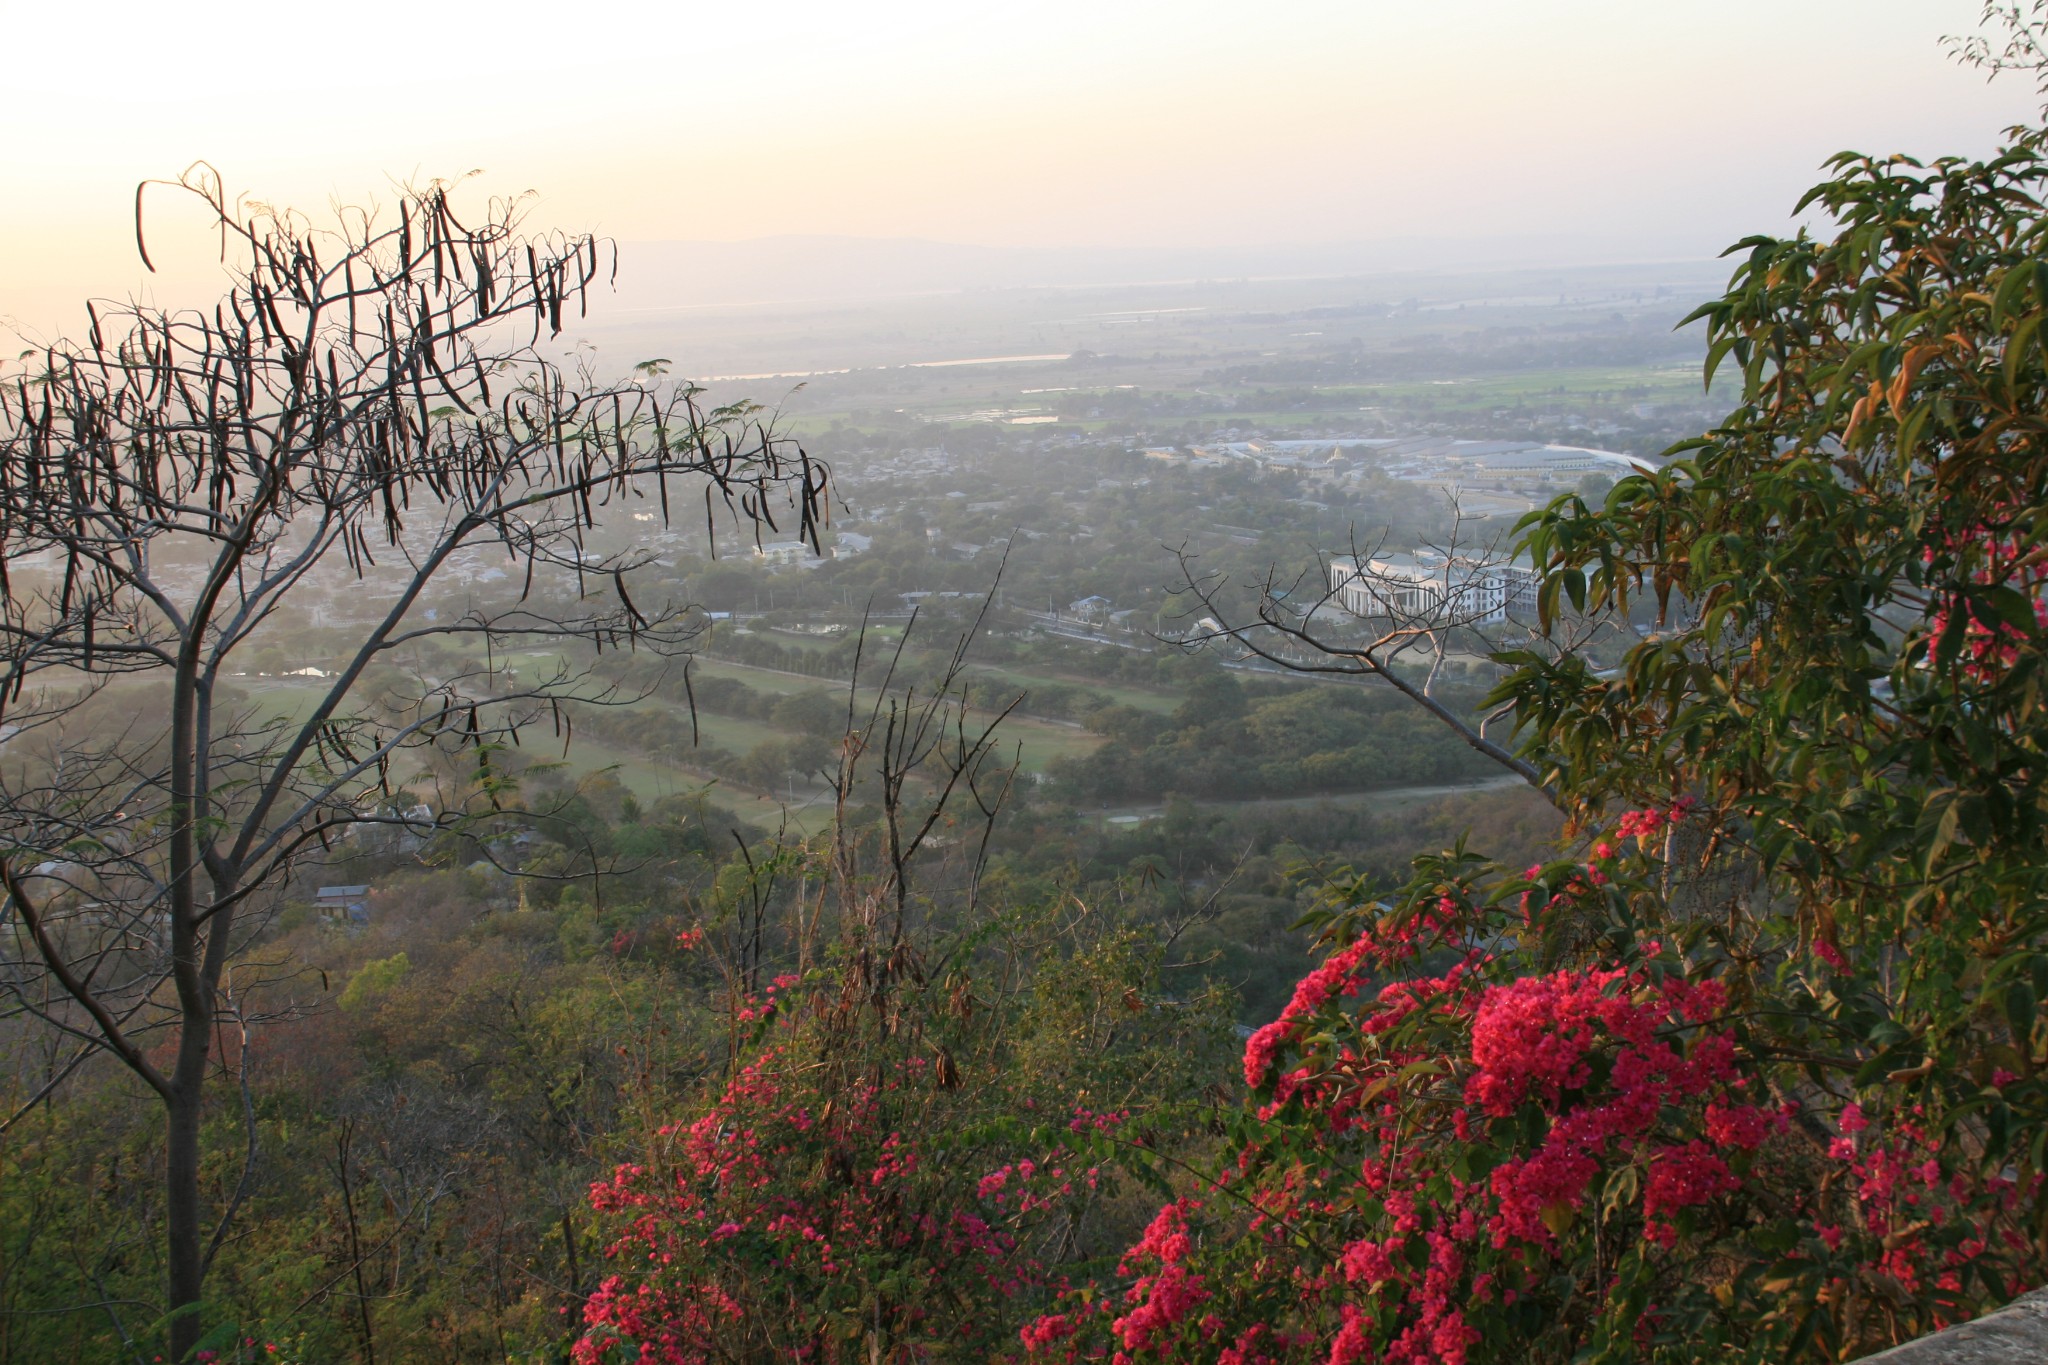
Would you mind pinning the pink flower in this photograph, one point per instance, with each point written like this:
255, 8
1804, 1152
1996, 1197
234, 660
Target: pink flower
1531, 1036
1044, 1332
1367, 1262
1682, 1177
1741, 1125
1351, 1344
1336, 976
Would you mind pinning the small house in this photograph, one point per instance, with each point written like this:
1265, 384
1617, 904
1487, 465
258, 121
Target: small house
347, 903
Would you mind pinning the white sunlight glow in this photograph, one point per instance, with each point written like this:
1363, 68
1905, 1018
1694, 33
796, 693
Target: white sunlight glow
1644, 129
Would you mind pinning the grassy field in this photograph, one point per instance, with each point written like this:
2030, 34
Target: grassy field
1033, 742
760, 679
1042, 740
1378, 798
1037, 742
1123, 694
1670, 384
736, 733
650, 780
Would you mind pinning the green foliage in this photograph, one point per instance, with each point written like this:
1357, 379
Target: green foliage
1303, 741
1856, 686
374, 979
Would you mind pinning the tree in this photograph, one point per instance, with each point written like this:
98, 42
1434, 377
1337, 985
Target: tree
2026, 39
368, 404
1397, 618
1759, 1071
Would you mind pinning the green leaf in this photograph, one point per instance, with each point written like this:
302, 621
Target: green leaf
2020, 1010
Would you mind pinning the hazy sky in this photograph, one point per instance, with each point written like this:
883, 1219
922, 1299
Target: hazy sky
1661, 126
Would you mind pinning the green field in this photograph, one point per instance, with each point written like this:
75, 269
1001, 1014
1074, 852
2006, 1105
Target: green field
1122, 694
1033, 742
1037, 742
760, 679
1042, 740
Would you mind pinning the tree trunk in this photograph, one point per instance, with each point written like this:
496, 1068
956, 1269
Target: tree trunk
182, 1219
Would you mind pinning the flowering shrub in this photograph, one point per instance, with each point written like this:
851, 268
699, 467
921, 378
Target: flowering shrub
1981, 623
799, 1222
851, 1191
1453, 1158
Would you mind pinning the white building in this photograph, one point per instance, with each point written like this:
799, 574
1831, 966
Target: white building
781, 552
1427, 584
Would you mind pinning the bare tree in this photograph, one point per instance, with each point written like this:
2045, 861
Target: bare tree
2026, 40
938, 743
1397, 617
367, 409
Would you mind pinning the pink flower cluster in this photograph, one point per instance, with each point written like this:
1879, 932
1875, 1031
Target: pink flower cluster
1389, 940
1159, 1301
1533, 1036
1087, 1120
1532, 1041
1335, 977
1643, 825
811, 1194
1992, 645
1681, 1178
1904, 1191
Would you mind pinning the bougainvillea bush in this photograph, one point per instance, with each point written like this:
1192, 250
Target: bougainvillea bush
1456, 1155
1756, 1074
866, 1182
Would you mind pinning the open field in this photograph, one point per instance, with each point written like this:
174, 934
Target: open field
760, 679
1123, 694
651, 779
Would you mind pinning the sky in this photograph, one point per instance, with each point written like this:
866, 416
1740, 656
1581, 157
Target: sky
1644, 129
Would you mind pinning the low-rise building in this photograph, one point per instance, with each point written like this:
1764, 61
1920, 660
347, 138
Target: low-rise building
1092, 607
350, 904
1430, 585
781, 552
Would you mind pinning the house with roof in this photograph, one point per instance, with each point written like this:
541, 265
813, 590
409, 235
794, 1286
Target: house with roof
1091, 608
344, 904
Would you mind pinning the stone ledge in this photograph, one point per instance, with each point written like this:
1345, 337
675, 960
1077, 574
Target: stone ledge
2016, 1334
